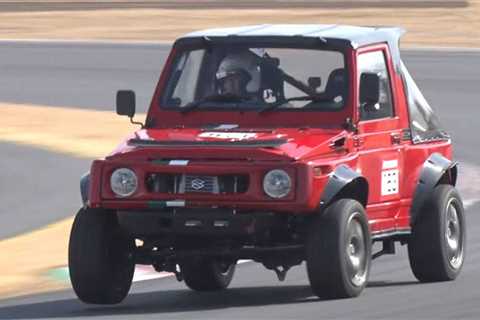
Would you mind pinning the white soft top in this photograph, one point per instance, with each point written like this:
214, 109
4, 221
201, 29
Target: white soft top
354, 35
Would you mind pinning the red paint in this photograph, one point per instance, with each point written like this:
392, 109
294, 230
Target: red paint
309, 137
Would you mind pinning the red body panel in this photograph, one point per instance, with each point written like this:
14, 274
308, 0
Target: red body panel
309, 156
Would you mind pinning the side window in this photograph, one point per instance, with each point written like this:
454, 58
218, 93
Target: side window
375, 62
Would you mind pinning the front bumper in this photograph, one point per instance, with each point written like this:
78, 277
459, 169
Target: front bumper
304, 197
199, 222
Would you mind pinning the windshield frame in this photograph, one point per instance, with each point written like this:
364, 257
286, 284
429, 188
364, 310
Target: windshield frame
189, 44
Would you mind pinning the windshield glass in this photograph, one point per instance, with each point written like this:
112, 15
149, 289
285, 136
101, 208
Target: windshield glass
223, 77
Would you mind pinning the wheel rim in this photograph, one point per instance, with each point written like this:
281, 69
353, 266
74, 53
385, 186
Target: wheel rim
356, 251
454, 234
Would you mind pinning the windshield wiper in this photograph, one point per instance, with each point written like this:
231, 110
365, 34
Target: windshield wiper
212, 98
301, 98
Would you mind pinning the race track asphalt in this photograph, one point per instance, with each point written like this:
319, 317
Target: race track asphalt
255, 293
87, 76
37, 187
78, 74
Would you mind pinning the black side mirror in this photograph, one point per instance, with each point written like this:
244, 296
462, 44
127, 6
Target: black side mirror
126, 103
369, 89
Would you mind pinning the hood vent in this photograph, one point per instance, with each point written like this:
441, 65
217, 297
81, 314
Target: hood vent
272, 143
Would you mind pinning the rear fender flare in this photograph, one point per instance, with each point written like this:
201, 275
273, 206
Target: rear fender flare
436, 169
344, 182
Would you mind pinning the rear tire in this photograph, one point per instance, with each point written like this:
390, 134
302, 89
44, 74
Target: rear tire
436, 249
206, 274
339, 251
100, 258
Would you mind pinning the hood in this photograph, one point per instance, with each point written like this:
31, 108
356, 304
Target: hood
225, 142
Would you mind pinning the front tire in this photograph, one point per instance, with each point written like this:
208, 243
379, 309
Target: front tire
436, 249
207, 274
100, 258
339, 251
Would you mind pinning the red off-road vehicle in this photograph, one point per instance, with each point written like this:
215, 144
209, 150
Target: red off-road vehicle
279, 144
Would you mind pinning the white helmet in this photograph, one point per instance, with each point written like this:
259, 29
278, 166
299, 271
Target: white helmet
243, 63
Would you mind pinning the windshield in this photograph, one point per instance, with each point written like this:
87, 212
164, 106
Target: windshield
223, 77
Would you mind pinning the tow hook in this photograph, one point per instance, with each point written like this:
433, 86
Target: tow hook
281, 272
178, 273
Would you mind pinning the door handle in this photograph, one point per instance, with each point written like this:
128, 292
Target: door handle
396, 138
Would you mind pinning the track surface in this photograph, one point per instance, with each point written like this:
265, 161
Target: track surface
78, 75
88, 75
393, 293
37, 188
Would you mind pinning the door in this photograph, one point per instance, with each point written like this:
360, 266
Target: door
379, 143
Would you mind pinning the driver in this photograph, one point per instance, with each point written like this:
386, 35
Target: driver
238, 74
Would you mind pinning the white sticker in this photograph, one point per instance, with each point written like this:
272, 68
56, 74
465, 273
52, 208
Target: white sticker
175, 203
226, 127
390, 177
178, 162
228, 135
389, 182
390, 164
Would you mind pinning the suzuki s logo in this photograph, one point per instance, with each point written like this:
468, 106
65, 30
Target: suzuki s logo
197, 184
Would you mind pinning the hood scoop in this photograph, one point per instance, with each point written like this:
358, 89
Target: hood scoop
271, 143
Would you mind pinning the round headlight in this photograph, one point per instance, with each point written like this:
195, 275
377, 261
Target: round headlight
277, 183
123, 182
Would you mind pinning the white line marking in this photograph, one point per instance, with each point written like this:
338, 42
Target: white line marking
87, 41
164, 42
143, 273
470, 202
467, 183
442, 49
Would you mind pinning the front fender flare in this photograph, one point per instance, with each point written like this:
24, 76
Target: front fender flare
345, 182
435, 169
85, 188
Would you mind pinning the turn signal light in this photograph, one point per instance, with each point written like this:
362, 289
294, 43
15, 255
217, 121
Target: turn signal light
321, 170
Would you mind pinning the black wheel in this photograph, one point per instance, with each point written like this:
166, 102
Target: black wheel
100, 258
436, 249
339, 251
206, 274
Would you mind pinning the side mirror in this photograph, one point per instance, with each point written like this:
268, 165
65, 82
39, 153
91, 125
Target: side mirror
369, 89
126, 103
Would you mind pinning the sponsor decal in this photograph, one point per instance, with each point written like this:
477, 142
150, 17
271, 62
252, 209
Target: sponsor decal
228, 135
175, 203
390, 164
178, 162
226, 127
390, 177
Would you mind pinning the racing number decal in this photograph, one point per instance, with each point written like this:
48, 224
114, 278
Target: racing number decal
389, 177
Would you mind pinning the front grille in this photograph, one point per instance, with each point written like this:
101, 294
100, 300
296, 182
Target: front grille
184, 183
162, 183
205, 184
